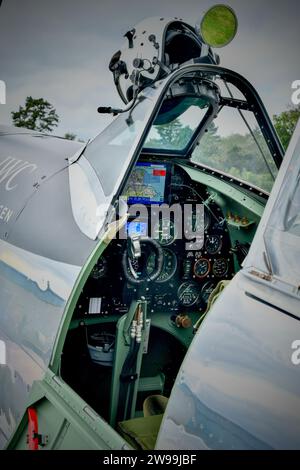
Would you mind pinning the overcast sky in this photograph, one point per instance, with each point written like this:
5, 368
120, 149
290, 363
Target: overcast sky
60, 50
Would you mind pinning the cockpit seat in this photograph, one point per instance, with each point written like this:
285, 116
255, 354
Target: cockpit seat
141, 433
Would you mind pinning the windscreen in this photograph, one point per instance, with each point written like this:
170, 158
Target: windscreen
235, 145
109, 153
177, 123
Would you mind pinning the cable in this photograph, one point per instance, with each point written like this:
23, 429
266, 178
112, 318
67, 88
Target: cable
200, 197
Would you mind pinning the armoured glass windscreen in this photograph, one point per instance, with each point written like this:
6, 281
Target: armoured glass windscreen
177, 123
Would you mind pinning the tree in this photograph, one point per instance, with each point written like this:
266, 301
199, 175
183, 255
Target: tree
285, 124
237, 155
209, 147
70, 136
172, 135
37, 114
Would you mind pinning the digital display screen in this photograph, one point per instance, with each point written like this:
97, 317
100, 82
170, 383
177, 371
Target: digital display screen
147, 184
137, 229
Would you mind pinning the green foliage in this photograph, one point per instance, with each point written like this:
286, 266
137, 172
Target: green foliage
37, 114
285, 124
173, 136
237, 155
70, 136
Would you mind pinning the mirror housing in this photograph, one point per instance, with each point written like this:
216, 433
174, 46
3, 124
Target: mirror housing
218, 26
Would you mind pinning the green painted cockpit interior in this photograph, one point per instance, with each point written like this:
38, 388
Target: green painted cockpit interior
70, 307
65, 420
224, 189
231, 198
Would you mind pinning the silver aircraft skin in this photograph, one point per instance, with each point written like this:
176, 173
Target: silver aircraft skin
37, 273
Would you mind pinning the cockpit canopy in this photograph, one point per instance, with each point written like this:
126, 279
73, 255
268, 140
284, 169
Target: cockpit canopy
205, 114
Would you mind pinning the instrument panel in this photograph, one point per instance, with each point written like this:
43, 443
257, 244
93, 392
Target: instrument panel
188, 276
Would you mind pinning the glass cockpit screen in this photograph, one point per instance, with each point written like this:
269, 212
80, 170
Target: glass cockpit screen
147, 184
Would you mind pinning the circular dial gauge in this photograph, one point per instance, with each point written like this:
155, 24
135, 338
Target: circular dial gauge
202, 268
220, 267
213, 244
194, 224
177, 180
165, 232
135, 265
100, 269
206, 290
169, 265
188, 294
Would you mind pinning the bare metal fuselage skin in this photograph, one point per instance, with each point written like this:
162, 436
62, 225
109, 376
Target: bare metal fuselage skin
37, 269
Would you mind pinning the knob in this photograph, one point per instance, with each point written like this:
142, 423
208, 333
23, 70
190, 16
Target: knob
183, 321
